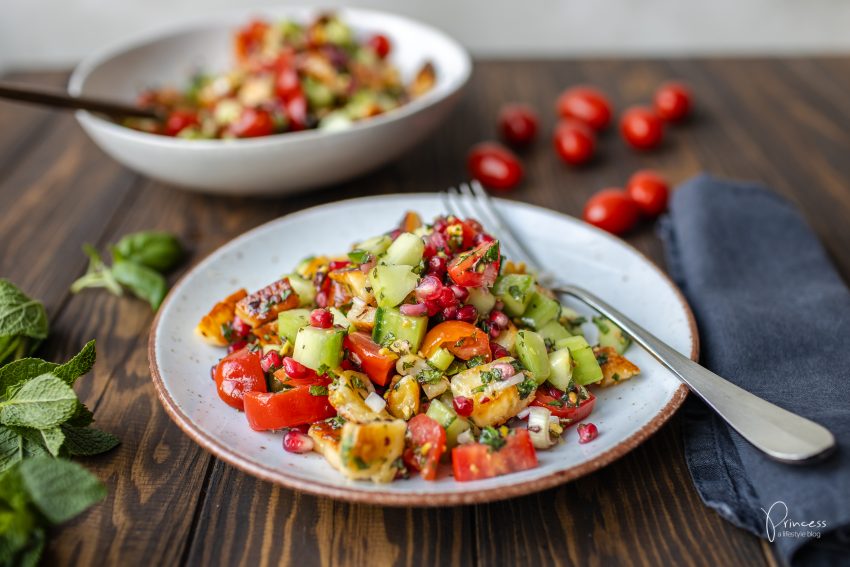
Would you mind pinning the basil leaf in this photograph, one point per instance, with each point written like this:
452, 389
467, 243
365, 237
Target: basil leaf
144, 282
156, 250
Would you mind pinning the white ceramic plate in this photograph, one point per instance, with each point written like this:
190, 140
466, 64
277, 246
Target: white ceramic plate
284, 163
625, 414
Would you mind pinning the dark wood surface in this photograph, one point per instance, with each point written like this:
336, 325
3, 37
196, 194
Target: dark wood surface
780, 121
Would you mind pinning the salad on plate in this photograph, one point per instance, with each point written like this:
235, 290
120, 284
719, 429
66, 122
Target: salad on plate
419, 346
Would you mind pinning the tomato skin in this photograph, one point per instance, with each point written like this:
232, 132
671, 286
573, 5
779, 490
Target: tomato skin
237, 374
575, 142
673, 101
253, 122
366, 352
425, 431
611, 210
466, 268
650, 191
476, 461
249, 38
518, 124
495, 166
642, 128
179, 120
585, 104
380, 44
574, 414
462, 339
275, 410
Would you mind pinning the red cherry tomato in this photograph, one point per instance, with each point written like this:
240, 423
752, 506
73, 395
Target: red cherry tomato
650, 191
559, 405
462, 339
477, 268
642, 128
380, 44
179, 120
494, 166
366, 353
518, 124
673, 101
586, 104
250, 39
574, 142
297, 406
611, 210
475, 461
427, 445
237, 374
252, 123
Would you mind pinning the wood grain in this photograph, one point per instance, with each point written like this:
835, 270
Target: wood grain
781, 121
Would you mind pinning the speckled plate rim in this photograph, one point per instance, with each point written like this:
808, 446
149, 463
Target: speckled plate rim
352, 493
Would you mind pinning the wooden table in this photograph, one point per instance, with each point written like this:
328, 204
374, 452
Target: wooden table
781, 121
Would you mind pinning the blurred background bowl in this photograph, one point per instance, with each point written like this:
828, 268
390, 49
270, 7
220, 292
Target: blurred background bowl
272, 165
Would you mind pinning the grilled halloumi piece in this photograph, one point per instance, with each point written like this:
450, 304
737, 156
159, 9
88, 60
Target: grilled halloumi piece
492, 405
326, 438
267, 334
213, 324
361, 315
355, 282
371, 451
347, 394
263, 305
615, 367
403, 397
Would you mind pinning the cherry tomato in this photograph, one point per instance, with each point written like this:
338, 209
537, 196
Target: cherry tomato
238, 373
475, 461
179, 120
559, 405
586, 104
462, 339
477, 268
611, 210
380, 44
427, 445
250, 39
253, 122
495, 166
642, 128
650, 191
518, 124
296, 406
367, 354
673, 101
575, 142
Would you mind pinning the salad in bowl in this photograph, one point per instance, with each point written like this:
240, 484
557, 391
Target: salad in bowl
417, 347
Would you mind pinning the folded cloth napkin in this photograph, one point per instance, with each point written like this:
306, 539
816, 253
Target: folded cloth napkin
774, 318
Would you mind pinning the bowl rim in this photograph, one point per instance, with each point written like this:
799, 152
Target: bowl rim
103, 55
351, 493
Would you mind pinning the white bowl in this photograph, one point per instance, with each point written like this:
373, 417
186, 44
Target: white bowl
284, 163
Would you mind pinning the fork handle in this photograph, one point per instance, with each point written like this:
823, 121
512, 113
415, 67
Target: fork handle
780, 434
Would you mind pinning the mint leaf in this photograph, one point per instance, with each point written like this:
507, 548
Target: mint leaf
60, 489
157, 250
144, 282
53, 439
82, 416
80, 364
87, 441
23, 369
20, 315
11, 448
43, 402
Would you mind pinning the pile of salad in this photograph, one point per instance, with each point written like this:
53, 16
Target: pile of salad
287, 77
420, 345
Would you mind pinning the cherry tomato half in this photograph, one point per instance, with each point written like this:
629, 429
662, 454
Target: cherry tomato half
611, 210
673, 101
464, 340
649, 190
427, 445
586, 104
477, 268
562, 409
575, 142
366, 353
296, 406
494, 166
642, 128
475, 461
380, 44
518, 124
253, 122
238, 373
179, 120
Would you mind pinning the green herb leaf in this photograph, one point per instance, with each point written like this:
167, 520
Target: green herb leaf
318, 390
492, 438
23, 323
98, 274
21, 370
87, 441
79, 365
41, 403
11, 448
144, 282
60, 489
159, 251
52, 439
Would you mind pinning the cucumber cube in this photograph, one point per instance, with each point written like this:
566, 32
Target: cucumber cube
443, 413
586, 368
316, 348
481, 299
515, 291
290, 322
553, 332
375, 246
531, 351
611, 335
304, 288
391, 284
561, 369
441, 359
392, 325
540, 310
406, 250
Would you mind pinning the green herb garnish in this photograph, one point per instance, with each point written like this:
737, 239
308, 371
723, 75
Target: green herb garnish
23, 323
492, 438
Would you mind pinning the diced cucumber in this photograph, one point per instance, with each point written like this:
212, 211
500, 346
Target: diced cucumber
304, 288
443, 413
561, 369
540, 310
391, 325
586, 369
515, 291
531, 351
376, 245
481, 299
572, 320
611, 335
454, 430
441, 359
316, 348
340, 320
406, 250
553, 332
391, 284
290, 322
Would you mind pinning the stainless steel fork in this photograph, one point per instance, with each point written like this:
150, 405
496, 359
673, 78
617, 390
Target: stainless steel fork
780, 434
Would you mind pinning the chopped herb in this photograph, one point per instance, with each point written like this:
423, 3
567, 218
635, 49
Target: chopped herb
615, 377
355, 381
601, 358
555, 404
407, 365
515, 292
475, 361
492, 253
336, 421
526, 388
602, 324
491, 376
359, 462
227, 332
323, 369
318, 390
359, 256
429, 376
489, 436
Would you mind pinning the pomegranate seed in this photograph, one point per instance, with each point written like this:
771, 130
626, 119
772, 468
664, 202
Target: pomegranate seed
450, 313
474, 225
482, 237
495, 332
463, 406
447, 298
467, 314
322, 299
430, 250
433, 307
429, 288
587, 432
271, 361
240, 328
498, 350
296, 442
295, 369
437, 266
440, 224
347, 365
338, 265
460, 292
321, 318
238, 345
414, 309
554, 392
498, 319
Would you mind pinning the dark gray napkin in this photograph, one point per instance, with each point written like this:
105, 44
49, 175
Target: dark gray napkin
774, 318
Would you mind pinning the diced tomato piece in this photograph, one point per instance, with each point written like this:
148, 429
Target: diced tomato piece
289, 408
428, 443
250, 38
237, 374
253, 123
179, 120
477, 268
476, 461
366, 353
309, 379
561, 408
462, 339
